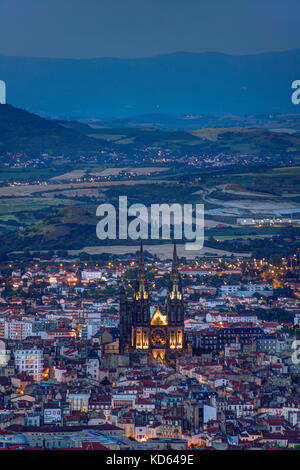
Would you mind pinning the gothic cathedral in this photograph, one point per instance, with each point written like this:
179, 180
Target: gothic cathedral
159, 332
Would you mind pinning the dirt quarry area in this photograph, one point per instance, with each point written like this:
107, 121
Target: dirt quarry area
137, 171
75, 175
232, 201
108, 172
28, 189
73, 193
71, 175
258, 206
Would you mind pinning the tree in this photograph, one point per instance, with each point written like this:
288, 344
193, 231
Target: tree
105, 381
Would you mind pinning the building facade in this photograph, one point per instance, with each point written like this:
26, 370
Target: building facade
30, 361
158, 331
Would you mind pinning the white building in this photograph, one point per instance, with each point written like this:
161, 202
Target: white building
231, 317
230, 289
297, 319
30, 361
241, 408
52, 414
2, 92
58, 373
209, 413
79, 401
15, 329
88, 275
92, 365
246, 290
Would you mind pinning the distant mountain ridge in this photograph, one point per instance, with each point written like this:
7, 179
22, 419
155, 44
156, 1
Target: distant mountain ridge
179, 83
281, 122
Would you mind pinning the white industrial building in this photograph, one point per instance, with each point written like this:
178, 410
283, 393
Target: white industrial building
2, 92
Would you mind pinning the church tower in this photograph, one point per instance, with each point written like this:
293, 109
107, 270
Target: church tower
160, 333
175, 310
125, 322
141, 308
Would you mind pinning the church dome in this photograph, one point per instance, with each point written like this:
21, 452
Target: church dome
18, 439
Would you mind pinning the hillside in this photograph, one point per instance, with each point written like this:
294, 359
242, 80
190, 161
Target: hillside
72, 226
21, 131
231, 140
179, 83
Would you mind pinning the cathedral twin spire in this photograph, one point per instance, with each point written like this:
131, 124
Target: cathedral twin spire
141, 285
174, 287
160, 332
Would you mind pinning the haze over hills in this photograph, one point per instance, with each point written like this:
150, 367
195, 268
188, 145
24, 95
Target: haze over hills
179, 83
280, 122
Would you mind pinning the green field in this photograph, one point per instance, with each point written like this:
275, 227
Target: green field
8, 218
242, 232
44, 174
12, 205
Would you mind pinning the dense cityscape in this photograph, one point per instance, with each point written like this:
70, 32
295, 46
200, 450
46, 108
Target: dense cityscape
67, 383
149, 232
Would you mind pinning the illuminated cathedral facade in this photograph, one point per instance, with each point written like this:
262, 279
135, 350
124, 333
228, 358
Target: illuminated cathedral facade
144, 329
